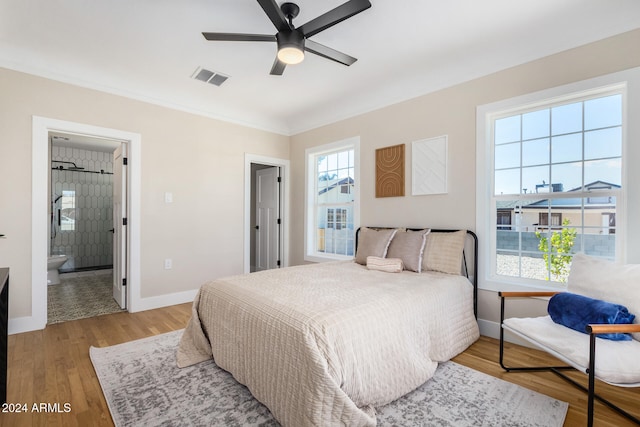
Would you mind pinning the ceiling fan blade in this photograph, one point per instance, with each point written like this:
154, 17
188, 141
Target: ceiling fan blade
334, 16
274, 13
327, 52
278, 67
234, 37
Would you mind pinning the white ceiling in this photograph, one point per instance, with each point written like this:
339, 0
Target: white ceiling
149, 49
83, 142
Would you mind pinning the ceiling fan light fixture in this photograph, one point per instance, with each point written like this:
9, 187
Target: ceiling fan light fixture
290, 55
290, 47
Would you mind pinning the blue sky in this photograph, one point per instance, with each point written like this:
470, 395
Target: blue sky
547, 146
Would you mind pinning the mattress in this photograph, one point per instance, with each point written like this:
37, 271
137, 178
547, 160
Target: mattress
324, 344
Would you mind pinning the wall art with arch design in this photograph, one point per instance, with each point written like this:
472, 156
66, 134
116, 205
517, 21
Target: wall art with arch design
390, 171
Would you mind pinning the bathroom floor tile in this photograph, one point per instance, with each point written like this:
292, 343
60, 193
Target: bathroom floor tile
81, 297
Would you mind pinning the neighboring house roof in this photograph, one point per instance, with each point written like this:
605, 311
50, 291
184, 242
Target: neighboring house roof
594, 202
512, 204
597, 185
343, 181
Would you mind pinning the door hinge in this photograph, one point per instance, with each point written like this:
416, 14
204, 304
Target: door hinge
124, 221
124, 161
279, 179
124, 283
279, 221
278, 263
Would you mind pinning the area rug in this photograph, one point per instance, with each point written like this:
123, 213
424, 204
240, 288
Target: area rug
144, 387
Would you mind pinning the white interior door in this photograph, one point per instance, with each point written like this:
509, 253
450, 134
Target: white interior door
119, 226
267, 229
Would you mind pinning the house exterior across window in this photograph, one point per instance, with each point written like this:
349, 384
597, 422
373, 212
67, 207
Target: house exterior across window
556, 183
332, 200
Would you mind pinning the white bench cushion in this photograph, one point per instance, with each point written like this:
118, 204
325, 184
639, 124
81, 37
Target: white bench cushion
601, 279
617, 362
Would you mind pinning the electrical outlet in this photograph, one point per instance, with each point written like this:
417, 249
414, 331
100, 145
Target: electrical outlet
168, 263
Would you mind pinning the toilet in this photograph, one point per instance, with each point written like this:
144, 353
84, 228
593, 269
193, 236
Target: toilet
54, 262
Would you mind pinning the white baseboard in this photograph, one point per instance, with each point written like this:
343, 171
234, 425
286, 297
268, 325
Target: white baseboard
491, 329
19, 325
160, 301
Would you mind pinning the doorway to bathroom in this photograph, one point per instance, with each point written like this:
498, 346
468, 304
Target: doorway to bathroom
85, 242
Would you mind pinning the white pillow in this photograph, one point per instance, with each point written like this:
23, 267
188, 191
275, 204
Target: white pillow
602, 279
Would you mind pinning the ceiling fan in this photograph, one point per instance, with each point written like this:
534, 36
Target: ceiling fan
292, 41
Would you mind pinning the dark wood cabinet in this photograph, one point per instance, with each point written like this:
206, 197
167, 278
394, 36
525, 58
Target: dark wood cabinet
4, 319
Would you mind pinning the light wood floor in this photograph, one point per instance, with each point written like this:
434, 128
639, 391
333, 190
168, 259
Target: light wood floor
53, 366
483, 356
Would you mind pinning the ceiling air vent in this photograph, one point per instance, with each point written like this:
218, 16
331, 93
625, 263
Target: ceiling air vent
207, 76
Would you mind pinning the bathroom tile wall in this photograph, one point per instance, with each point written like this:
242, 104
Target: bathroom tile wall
85, 204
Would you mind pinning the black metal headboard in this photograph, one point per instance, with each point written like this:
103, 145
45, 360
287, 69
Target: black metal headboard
471, 237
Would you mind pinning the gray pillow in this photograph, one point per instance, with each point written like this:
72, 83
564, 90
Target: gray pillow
409, 247
373, 243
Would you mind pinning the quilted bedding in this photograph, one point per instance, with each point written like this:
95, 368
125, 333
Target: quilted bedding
324, 344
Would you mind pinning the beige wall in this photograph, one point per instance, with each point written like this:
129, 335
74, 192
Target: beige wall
200, 160
452, 112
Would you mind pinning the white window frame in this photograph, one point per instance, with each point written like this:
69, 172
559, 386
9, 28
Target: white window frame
486, 221
310, 235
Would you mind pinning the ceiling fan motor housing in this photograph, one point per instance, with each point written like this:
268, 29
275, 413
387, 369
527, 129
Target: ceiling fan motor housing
290, 41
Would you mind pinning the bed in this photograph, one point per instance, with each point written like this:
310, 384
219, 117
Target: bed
324, 344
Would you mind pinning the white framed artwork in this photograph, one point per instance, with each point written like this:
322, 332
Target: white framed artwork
429, 166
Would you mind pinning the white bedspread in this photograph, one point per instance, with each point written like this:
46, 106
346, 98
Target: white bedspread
324, 344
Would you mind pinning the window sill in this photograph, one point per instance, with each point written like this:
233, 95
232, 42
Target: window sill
321, 258
515, 285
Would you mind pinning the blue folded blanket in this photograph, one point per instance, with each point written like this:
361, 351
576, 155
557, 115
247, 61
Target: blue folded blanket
577, 311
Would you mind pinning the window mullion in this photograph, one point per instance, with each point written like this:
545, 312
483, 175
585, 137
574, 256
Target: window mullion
558, 205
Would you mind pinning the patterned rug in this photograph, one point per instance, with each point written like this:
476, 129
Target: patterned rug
143, 386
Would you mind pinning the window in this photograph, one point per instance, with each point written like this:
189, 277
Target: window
332, 201
337, 218
67, 212
556, 219
504, 220
555, 185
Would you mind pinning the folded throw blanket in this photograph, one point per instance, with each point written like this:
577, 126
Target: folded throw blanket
577, 311
390, 265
